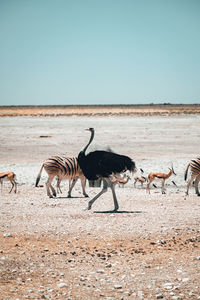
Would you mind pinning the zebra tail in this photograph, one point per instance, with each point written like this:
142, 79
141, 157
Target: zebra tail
186, 171
38, 177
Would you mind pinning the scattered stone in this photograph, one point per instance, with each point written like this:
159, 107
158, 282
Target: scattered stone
168, 286
101, 271
82, 278
7, 235
159, 296
185, 279
62, 285
117, 286
163, 241
51, 290
152, 243
108, 265
140, 294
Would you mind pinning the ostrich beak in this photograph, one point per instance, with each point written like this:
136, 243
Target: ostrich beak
90, 129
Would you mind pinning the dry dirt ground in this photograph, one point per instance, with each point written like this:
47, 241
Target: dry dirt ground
55, 249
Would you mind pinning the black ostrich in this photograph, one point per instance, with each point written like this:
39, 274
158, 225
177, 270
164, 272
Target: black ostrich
103, 164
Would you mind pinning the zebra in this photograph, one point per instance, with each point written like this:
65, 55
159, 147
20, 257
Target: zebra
194, 165
62, 168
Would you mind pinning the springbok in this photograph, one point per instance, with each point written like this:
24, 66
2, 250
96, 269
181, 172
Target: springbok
160, 176
9, 176
119, 178
123, 180
140, 179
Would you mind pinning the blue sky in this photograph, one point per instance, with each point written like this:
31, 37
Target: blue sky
99, 52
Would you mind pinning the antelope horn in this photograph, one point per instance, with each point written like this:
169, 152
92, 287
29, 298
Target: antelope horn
173, 169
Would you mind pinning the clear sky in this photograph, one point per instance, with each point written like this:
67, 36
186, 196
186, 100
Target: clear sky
99, 52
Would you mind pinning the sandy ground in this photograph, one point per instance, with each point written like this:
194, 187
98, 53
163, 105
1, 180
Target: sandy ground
55, 249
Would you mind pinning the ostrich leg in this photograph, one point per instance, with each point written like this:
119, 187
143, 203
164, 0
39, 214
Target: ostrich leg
112, 186
105, 188
83, 184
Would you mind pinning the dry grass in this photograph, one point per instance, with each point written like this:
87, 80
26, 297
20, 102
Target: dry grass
120, 110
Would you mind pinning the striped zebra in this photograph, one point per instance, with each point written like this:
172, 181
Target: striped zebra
62, 168
194, 166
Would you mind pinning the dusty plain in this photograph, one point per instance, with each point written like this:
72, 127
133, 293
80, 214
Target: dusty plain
55, 249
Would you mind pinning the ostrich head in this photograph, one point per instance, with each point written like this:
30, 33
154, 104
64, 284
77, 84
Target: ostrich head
91, 138
91, 129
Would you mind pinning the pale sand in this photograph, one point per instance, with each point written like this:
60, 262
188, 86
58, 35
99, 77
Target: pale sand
141, 263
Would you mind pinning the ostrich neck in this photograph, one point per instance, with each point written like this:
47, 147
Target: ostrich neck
90, 141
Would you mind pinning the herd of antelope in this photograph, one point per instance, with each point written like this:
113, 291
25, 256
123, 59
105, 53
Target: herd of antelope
63, 168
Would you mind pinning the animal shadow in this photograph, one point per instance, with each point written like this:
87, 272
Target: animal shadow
74, 197
119, 212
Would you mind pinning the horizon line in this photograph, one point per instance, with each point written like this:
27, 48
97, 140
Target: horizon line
99, 105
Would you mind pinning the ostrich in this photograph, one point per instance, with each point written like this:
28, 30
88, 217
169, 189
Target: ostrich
103, 164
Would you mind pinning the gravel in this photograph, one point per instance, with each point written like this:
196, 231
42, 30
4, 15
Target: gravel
55, 249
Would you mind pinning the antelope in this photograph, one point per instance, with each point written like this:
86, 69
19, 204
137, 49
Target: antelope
161, 176
122, 181
9, 176
119, 178
141, 179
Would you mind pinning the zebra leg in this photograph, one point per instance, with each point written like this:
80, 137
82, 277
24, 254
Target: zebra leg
58, 186
49, 186
104, 189
196, 185
53, 190
83, 184
188, 184
71, 187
